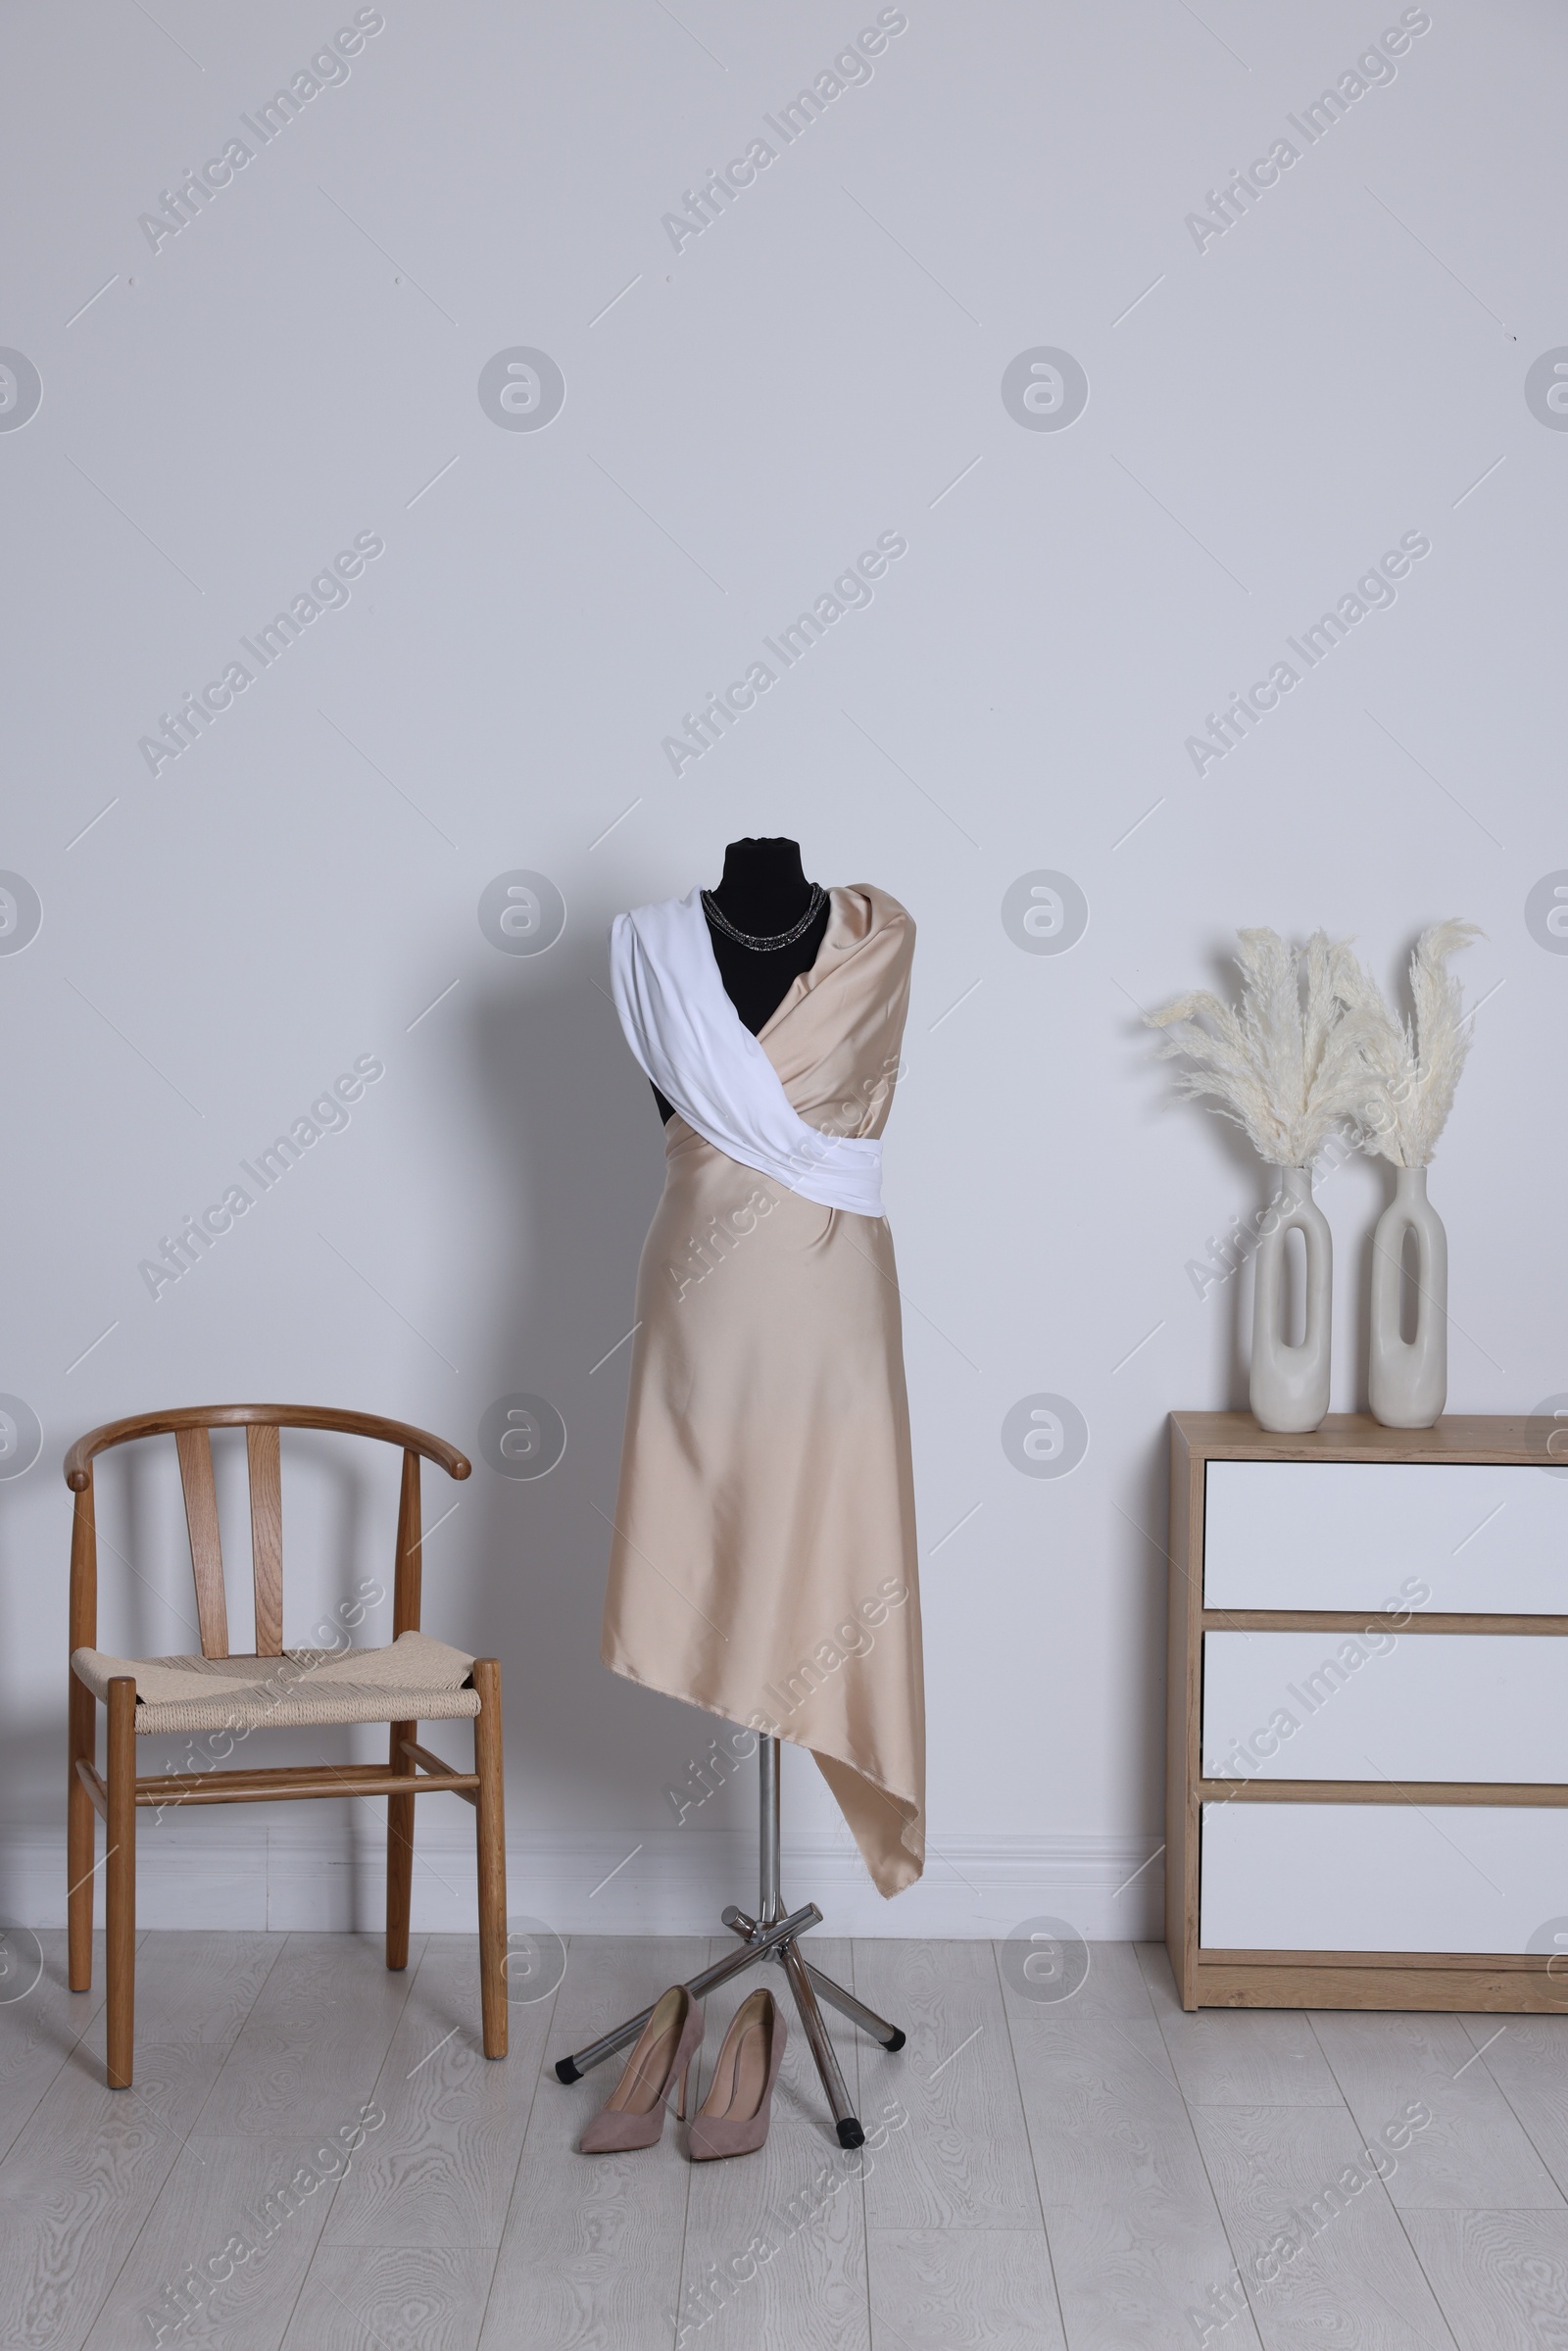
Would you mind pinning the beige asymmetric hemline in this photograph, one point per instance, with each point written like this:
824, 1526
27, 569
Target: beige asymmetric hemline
763, 1560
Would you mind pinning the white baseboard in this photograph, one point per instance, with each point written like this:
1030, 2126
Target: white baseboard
294, 1876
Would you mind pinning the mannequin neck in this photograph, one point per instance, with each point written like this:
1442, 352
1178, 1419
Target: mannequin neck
764, 889
764, 892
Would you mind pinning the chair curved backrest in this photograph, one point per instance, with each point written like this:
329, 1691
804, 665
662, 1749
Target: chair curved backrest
190, 1427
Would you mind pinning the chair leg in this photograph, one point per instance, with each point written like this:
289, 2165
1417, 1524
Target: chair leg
491, 1842
120, 1872
400, 1854
80, 1836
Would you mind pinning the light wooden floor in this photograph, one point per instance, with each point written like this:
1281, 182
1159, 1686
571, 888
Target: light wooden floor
1087, 2175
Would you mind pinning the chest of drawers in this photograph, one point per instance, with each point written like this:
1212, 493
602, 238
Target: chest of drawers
1367, 1715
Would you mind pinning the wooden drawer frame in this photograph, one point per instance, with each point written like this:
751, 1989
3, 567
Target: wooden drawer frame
1507, 1983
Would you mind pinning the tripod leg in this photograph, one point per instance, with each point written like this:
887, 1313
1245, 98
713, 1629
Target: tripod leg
890, 2036
850, 2134
856, 2010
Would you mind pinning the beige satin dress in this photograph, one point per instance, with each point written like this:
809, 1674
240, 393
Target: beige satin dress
763, 1559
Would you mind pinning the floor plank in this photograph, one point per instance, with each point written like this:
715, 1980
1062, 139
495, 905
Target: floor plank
590, 2254
775, 2241
1114, 1987
1316, 2241
313, 2045
224, 2252
1237, 2057
1130, 2275
1473, 2154
590, 2258
1106, 2118
1527, 2056
39, 2032
408, 2298
1502, 2277
1137, 2241
962, 2289
199, 1987
441, 2171
79, 2180
963, 2158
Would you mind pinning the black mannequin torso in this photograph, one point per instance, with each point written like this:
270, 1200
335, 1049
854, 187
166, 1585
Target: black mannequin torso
763, 891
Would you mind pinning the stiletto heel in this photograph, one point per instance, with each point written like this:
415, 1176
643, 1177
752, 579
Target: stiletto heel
733, 2118
633, 2114
680, 2095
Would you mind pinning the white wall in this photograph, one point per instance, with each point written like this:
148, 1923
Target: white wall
301, 363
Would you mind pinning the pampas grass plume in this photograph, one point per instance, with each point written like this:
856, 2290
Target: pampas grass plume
1287, 1064
1413, 1066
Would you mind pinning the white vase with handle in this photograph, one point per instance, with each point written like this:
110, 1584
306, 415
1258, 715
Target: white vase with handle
1289, 1389
1409, 1378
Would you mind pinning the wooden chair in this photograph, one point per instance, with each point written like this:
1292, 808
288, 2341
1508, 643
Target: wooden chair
415, 1679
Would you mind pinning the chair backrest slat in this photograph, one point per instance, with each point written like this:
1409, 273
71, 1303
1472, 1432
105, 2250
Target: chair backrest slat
267, 1535
409, 1565
195, 1451
190, 1425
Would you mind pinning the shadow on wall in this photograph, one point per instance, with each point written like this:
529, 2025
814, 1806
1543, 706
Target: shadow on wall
575, 1132
1230, 1298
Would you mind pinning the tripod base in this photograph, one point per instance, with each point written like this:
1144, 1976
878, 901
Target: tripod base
776, 1937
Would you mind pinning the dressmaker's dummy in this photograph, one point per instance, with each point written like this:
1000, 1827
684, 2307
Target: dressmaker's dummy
764, 892
762, 1564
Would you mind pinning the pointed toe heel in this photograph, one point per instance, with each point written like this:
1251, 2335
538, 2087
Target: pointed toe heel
633, 2114
733, 2118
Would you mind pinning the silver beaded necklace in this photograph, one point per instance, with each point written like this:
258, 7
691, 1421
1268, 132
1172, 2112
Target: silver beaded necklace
817, 900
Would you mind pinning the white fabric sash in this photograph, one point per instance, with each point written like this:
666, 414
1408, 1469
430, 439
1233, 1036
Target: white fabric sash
687, 1037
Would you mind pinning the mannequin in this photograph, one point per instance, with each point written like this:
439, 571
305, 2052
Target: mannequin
763, 891
765, 1481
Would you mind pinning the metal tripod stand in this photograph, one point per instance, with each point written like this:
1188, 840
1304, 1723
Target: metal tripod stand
769, 1935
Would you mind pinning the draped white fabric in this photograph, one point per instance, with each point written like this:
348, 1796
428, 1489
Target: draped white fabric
687, 1037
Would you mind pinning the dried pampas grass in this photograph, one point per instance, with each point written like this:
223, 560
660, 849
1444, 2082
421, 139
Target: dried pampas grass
1413, 1066
1288, 1066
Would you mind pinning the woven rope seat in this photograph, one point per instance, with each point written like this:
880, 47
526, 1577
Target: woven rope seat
417, 1679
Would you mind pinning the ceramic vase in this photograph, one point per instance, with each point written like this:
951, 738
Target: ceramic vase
1289, 1384
1409, 1378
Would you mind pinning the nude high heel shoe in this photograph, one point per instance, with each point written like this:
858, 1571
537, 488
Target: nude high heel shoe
633, 2114
733, 2118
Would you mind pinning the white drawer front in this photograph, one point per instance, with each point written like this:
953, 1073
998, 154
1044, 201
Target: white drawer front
1380, 1705
1375, 1535
1381, 1877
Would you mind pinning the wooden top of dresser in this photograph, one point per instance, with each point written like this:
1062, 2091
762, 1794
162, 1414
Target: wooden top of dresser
1510, 1438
